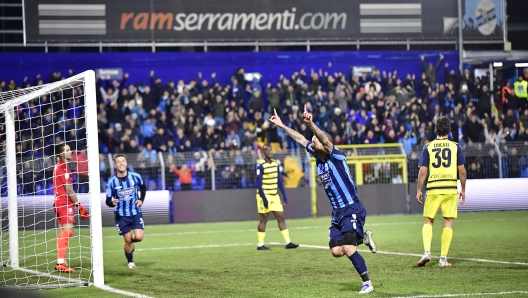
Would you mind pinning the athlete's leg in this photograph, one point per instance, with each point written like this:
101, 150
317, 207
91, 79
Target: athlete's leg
63, 239
261, 234
65, 222
280, 220
447, 236
349, 247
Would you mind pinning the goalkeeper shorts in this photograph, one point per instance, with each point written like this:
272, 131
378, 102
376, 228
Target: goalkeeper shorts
65, 214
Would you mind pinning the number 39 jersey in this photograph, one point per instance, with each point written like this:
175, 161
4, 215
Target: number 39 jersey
442, 157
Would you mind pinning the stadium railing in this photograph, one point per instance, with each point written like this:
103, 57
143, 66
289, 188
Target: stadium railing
368, 164
234, 169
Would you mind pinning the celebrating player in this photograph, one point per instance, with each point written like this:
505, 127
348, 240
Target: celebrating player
442, 158
269, 179
122, 194
65, 200
348, 214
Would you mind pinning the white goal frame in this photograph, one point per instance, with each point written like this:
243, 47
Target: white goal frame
7, 107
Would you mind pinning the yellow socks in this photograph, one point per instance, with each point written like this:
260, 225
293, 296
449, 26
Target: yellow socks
427, 233
286, 236
260, 237
447, 235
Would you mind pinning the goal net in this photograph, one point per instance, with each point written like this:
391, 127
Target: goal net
32, 122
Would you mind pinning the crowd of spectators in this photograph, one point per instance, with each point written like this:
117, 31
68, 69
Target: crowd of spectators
215, 117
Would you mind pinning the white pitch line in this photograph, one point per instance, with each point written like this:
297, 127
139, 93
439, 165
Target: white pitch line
466, 295
82, 282
418, 255
306, 228
187, 247
125, 293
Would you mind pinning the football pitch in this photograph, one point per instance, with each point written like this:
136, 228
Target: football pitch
489, 256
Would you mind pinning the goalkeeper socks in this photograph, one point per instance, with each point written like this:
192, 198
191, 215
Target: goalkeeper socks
129, 257
286, 235
359, 264
447, 235
62, 245
260, 238
427, 233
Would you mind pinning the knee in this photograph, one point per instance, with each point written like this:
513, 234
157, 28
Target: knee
138, 238
337, 252
349, 249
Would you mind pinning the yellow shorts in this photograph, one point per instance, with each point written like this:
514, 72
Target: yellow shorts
449, 204
274, 204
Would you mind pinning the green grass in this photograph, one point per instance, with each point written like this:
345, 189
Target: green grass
169, 266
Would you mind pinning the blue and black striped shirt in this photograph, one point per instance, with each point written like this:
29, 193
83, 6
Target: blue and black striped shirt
128, 190
335, 177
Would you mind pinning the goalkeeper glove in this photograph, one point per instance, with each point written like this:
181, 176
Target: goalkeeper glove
83, 212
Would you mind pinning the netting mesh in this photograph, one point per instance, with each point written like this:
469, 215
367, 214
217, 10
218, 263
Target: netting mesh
41, 122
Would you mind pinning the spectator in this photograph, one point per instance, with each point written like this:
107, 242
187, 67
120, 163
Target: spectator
184, 175
408, 141
149, 154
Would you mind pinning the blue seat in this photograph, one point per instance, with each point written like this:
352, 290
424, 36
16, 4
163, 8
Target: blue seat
39, 189
49, 189
177, 185
151, 185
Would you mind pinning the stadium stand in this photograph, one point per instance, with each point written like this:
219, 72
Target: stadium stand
218, 130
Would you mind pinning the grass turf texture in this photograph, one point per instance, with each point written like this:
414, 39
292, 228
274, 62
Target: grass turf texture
171, 262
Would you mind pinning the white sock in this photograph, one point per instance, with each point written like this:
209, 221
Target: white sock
61, 261
443, 258
260, 244
427, 252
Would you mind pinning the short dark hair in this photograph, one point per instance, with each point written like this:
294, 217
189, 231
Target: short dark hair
443, 126
59, 148
119, 155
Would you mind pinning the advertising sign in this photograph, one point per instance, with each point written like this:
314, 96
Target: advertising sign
266, 20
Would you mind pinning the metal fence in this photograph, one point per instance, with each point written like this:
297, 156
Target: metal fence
236, 169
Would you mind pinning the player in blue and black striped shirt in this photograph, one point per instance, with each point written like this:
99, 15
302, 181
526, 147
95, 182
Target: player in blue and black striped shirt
126, 193
348, 214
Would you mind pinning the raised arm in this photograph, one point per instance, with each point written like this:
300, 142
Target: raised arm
297, 137
319, 134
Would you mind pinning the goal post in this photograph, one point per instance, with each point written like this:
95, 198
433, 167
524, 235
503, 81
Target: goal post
29, 261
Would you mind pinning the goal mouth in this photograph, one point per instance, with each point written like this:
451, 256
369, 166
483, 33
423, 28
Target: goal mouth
33, 122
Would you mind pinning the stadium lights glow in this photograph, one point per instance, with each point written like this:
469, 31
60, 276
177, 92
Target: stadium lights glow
497, 64
521, 64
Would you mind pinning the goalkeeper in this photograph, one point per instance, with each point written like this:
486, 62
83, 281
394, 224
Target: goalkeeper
126, 193
65, 200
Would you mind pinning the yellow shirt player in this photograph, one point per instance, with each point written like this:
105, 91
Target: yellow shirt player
443, 159
269, 180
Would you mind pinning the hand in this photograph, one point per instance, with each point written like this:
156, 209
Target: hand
419, 197
213, 75
441, 56
265, 202
126, 75
139, 203
115, 201
446, 65
151, 73
269, 85
199, 74
422, 57
83, 212
462, 196
284, 201
275, 119
307, 117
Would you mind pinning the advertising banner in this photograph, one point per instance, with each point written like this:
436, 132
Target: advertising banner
265, 20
